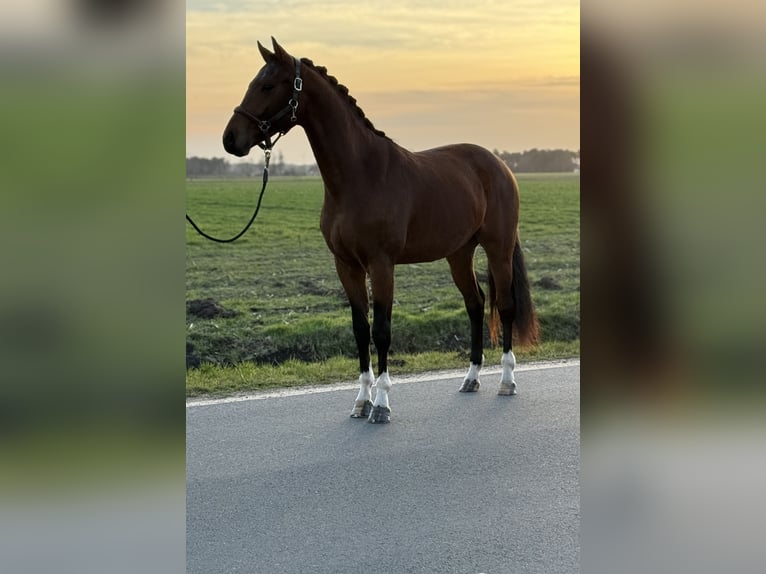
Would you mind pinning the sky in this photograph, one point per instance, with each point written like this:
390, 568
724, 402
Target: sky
504, 74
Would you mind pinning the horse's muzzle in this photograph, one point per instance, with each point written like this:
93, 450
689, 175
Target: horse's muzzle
230, 144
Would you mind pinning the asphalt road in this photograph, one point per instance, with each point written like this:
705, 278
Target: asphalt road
457, 483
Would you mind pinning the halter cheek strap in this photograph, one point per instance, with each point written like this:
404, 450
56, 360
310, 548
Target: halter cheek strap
291, 107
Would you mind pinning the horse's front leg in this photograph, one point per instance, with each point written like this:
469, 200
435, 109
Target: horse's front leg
382, 279
363, 402
354, 281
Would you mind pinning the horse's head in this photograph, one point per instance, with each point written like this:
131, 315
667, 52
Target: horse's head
270, 103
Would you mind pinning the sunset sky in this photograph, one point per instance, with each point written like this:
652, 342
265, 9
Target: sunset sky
504, 74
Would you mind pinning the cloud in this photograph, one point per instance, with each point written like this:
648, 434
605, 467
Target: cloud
397, 24
405, 61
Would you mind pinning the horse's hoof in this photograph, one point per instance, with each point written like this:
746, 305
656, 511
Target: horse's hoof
506, 389
361, 409
380, 415
470, 386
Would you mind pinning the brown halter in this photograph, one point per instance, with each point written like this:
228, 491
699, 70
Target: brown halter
292, 107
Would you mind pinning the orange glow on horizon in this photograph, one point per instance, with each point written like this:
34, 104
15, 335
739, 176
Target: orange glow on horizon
396, 58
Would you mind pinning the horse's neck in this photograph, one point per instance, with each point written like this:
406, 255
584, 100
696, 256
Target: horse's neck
339, 139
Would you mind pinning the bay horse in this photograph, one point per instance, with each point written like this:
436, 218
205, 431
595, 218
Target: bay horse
385, 206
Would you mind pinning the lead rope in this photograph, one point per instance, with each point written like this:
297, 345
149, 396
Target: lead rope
266, 146
267, 154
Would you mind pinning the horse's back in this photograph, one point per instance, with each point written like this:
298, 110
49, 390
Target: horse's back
471, 169
428, 205
461, 156
448, 191
458, 160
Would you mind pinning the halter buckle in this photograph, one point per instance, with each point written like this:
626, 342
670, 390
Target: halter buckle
298, 84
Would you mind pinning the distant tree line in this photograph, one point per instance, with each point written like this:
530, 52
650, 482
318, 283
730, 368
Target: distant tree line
201, 166
541, 160
529, 161
220, 167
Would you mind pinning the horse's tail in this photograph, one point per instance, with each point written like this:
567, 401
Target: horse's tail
526, 329
525, 325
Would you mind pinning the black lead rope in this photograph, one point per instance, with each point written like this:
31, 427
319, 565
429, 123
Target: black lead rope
266, 146
267, 153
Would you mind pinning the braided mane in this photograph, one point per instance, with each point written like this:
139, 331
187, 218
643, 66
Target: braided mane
340, 88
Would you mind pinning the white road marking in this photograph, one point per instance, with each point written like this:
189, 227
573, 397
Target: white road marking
404, 380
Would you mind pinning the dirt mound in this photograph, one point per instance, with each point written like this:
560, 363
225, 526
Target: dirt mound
547, 282
208, 309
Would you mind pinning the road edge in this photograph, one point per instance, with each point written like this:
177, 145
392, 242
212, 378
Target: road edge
344, 386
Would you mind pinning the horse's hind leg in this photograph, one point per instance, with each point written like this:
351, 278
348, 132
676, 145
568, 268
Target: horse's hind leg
501, 268
461, 266
354, 281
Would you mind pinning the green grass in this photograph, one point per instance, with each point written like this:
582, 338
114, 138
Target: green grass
249, 376
293, 324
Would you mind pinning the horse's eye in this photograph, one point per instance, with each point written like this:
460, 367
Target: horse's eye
267, 88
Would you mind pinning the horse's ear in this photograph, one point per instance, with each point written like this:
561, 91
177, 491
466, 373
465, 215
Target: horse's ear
267, 56
279, 51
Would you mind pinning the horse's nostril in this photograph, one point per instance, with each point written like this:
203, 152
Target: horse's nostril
228, 138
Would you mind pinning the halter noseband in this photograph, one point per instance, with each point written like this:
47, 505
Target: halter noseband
292, 106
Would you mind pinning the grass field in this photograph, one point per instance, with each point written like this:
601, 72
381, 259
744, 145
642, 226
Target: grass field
291, 324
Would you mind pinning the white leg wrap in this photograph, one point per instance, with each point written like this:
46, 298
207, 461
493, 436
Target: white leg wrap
509, 363
383, 385
473, 371
366, 380
507, 381
471, 382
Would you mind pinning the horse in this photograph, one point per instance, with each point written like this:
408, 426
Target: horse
385, 205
